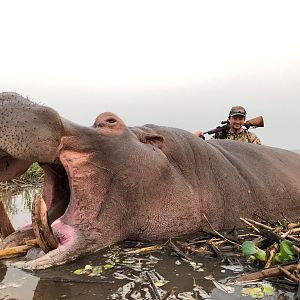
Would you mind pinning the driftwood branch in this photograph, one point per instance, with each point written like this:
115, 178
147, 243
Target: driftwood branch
153, 286
219, 234
14, 251
272, 272
179, 252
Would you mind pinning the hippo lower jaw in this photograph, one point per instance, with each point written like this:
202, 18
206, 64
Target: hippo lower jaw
67, 249
59, 242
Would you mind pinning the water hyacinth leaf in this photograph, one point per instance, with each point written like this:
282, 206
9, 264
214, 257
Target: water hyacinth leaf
279, 258
253, 292
160, 283
286, 248
108, 266
286, 252
268, 290
251, 259
249, 248
261, 255
78, 272
258, 292
97, 270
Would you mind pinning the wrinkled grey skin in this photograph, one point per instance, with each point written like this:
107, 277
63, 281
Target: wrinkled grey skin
141, 183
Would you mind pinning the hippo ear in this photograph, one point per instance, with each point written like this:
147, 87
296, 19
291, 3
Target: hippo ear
153, 139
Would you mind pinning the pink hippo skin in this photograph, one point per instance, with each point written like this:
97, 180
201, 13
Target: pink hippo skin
113, 182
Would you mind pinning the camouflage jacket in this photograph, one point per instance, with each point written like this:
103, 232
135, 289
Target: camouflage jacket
244, 136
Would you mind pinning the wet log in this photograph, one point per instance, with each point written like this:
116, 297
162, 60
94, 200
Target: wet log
272, 272
14, 251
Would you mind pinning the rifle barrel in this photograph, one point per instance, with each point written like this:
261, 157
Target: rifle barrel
253, 123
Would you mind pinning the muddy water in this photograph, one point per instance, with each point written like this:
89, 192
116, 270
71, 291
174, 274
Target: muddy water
115, 274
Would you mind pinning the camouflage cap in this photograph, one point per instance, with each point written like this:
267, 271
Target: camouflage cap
237, 111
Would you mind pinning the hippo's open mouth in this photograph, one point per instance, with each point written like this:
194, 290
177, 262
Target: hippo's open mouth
47, 209
50, 233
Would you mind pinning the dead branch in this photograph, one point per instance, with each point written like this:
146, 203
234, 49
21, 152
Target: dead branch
144, 250
196, 250
219, 234
250, 224
14, 251
179, 252
153, 286
272, 272
259, 224
273, 250
289, 274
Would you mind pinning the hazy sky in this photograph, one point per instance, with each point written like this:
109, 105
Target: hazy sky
175, 63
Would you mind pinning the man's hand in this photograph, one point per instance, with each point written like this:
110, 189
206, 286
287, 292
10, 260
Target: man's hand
200, 134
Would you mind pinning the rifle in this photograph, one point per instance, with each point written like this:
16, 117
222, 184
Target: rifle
254, 123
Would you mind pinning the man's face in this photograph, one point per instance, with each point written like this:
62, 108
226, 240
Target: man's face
236, 122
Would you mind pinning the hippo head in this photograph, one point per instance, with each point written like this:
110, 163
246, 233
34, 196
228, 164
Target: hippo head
98, 180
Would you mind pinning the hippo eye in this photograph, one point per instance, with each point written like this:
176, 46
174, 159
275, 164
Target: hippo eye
111, 121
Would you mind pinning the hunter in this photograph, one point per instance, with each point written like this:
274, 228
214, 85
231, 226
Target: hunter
236, 120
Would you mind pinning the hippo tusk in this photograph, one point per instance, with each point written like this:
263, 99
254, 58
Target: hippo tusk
6, 227
42, 231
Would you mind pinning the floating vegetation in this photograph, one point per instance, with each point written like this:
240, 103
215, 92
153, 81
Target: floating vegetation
271, 250
262, 245
258, 291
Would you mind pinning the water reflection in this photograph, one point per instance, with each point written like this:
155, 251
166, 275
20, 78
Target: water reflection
113, 274
18, 204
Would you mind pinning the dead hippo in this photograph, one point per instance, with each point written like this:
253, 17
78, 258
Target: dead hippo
110, 182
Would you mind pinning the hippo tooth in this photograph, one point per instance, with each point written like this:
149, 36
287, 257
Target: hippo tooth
6, 227
42, 231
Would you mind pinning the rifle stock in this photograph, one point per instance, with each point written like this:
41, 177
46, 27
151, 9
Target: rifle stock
255, 122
